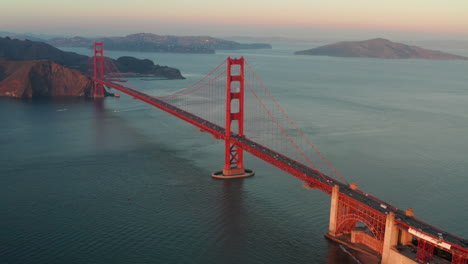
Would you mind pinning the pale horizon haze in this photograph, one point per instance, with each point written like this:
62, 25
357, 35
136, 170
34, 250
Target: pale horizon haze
300, 19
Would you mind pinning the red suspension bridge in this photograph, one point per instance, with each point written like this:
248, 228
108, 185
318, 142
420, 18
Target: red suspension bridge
233, 105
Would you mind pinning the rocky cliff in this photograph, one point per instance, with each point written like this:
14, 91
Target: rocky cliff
379, 48
41, 78
157, 43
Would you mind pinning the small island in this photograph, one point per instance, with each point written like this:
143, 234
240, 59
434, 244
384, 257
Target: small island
378, 48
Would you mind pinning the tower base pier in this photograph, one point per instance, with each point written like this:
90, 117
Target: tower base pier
244, 173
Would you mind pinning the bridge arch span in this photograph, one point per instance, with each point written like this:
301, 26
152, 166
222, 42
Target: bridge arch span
347, 223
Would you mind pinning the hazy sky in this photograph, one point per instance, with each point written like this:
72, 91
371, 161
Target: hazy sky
417, 19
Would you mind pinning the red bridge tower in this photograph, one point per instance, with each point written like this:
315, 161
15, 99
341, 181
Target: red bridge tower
234, 156
98, 69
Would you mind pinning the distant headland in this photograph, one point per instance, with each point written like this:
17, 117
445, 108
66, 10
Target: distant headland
148, 42
378, 48
36, 69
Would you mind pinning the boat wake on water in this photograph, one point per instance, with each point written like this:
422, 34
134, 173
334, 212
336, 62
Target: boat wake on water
349, 253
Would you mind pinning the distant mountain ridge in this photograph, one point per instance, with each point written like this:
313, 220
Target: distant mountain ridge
21, 36
379, 48
157, 43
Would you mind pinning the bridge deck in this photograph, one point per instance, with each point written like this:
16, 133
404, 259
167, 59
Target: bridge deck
297, 169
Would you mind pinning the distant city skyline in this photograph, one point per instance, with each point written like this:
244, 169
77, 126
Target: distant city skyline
300, 19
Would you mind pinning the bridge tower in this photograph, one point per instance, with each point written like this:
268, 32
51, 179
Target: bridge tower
98, 64
234, 156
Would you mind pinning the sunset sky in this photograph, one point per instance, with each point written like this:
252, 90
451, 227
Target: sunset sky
291, 18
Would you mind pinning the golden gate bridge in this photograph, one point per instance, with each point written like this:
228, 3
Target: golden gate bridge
233, 105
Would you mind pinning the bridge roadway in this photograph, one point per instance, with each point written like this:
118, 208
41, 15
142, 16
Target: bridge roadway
323, 182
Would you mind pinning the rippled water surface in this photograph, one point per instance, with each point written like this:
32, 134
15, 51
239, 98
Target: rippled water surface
118, 181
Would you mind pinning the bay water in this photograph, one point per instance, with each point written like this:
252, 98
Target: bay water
119, 181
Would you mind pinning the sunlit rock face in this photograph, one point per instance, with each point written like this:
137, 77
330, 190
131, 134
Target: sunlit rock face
41, 78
